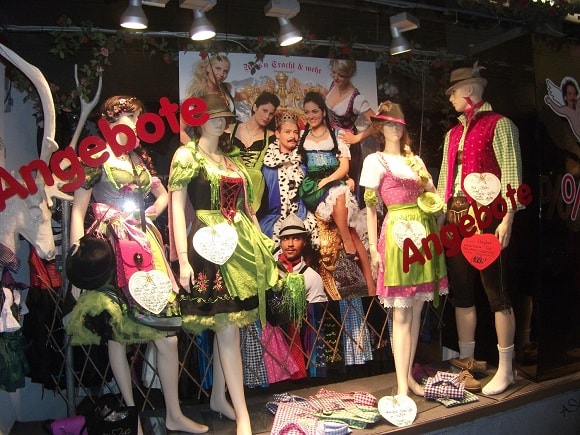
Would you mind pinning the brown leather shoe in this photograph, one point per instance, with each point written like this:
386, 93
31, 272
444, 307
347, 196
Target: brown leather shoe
469, 363
471, 384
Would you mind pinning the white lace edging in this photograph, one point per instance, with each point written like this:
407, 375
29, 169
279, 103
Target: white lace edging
400, 302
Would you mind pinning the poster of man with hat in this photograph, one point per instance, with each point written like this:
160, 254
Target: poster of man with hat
483, 148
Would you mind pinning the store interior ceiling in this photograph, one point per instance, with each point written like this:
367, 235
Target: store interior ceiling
453, 26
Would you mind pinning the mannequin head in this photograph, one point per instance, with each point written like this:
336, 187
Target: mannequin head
389, 122
466, 87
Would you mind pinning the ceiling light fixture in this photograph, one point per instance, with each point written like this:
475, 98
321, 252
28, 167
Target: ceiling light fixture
400, 23
284, 10
134, 17
202, 28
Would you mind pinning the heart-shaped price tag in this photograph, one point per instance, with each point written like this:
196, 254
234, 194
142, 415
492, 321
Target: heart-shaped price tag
216, 243
480, 250
483, 187
398, 410
150, 289
413, 230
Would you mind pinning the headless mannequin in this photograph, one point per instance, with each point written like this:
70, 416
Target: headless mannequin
167, 359
464, 98
227, 361
407, 320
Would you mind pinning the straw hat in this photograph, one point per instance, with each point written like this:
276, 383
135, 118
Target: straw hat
389, 111
465, 76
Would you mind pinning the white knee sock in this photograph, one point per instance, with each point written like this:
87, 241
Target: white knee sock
504, 376
466, 349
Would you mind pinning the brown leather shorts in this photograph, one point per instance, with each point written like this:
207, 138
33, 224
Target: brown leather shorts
457, 207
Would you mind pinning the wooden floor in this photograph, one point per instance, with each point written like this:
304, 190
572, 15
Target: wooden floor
431, 415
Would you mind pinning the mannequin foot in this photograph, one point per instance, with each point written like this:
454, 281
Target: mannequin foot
499, 383
222, 407
416, 388
183, 424
243, 427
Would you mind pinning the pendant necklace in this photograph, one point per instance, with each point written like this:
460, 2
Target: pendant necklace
251, 135
219, 163
318, 136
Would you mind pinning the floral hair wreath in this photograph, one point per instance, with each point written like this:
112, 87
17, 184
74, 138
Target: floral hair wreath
124, 105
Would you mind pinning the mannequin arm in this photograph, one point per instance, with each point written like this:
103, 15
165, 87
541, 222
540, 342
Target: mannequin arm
504, 230
178, 199
373, 239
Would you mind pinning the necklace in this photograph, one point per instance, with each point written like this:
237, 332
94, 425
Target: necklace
318, 136
219, 163
251, 135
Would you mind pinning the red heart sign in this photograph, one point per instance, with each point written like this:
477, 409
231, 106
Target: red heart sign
480, 250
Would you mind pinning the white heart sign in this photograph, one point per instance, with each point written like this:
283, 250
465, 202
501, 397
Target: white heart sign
413, 230
150, 289
483, 187
216, 243
399, 410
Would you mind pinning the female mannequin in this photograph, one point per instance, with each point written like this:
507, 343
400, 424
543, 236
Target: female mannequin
108, 185
252, 138
400, 177
227, 296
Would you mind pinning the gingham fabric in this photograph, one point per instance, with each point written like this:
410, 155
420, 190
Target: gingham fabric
444, 385
469, 397
294, 419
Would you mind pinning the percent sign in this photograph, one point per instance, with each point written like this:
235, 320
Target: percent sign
571, 194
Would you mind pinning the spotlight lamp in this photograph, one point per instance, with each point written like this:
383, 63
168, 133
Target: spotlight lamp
284, 10
202, 28
134, 17
289, 34
400, 23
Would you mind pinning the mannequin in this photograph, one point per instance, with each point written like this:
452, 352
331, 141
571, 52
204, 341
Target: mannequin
486, 130
227, 296
106, 186
400, 177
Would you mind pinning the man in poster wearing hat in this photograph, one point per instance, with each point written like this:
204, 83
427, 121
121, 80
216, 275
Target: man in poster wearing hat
293, 240
484, 145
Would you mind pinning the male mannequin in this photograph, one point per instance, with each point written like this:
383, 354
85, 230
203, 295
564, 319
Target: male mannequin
482, 142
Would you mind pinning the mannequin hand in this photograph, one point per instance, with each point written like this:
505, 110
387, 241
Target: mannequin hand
186, 276
441, 220
151, 212
375, 261
503, 232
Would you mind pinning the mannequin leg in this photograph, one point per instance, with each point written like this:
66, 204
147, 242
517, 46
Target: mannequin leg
405, 336
168, 369
466, 319
122, 373
415, 387
505, 326
218, 401
340, 217
228, 341
364, 263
